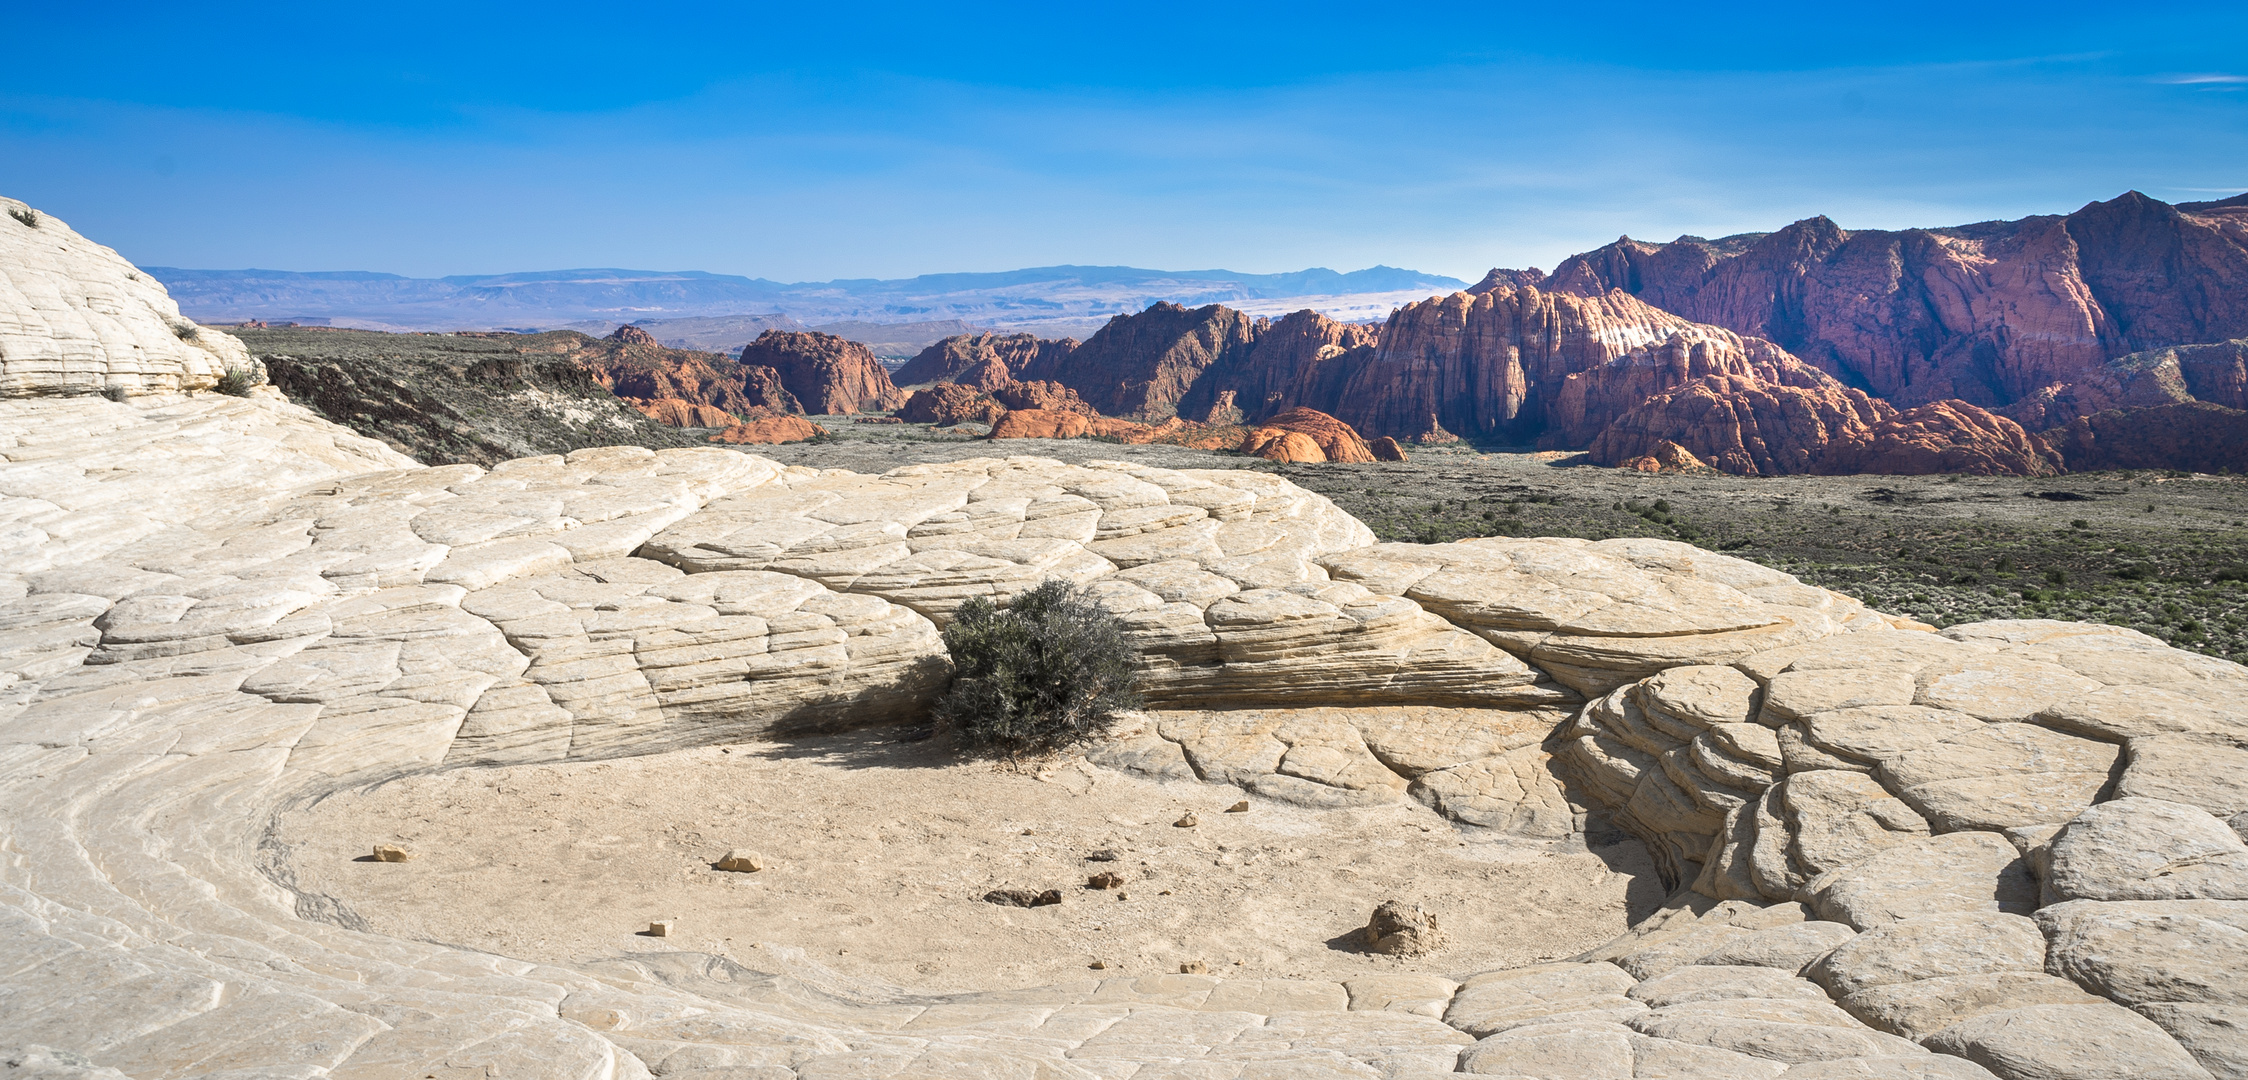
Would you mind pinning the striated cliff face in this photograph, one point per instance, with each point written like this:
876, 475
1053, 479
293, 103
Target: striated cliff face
1303, 359
76, 318
826, 374
1143, 365
1988, 313
1492, 365
1744, 425
947, 360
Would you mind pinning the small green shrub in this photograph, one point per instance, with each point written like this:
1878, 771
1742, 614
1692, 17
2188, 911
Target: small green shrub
25, 214
237, 382
1049, 670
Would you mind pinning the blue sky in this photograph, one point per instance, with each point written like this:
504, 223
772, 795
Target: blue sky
806, 142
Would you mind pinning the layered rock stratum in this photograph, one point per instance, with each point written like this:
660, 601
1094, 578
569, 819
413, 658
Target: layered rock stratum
76, 318
2008, 849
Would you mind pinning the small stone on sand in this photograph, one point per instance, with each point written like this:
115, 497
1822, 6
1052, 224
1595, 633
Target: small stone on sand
1194, 967
661, 928
1188, 822
1241, 807
391, 853
1402, 929
741, 861
1023, 897
1103, 855
1105, 881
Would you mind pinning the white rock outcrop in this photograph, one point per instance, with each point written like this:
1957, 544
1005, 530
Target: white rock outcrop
76, 318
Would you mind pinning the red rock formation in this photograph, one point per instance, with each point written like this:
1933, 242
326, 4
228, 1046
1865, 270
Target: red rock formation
1276, 444
1043, 424
1143, 365
631, 365
1386, 449
1588, 401
826, 374
2216, 373
1667, 457
679, 413
1335, 439
769, 430
1486, 365
1989, 313
946, 360
1939, 437
951, 403
954, 403
1742, 425
2195, 435
1303, 359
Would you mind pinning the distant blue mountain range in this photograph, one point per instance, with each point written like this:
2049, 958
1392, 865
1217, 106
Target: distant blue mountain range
1040, 295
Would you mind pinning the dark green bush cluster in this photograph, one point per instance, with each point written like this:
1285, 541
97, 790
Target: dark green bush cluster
237, 381
25, 214
1049, 670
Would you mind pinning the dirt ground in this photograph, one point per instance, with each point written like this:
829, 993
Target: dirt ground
878, 854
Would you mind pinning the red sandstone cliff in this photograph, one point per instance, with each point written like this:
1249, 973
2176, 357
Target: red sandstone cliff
947, 360
1990, 313
672, 386
827, 375
1143, 365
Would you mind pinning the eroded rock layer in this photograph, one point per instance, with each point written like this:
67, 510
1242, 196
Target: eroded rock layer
76, 318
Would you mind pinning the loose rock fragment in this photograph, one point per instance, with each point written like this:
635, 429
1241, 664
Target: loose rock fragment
741, 861
1103, 855
1241, 807
1105, 881
660, 928
1194, 967
1187, 822
1402, 929
391, 853
1023, 897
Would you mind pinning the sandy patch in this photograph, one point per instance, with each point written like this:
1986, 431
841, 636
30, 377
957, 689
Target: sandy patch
878, 854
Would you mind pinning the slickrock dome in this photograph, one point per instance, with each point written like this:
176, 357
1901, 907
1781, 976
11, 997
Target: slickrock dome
76, 318
2008, 849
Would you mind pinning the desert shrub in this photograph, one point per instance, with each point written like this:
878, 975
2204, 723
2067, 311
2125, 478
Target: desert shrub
237, 382
114, 391
25, 214
1049, 670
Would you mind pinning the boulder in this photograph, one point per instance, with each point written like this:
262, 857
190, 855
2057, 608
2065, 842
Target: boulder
1923, 1007
2145, 952
2146, 849
2063, 1042
2207, 770
1970, 871
1929, 947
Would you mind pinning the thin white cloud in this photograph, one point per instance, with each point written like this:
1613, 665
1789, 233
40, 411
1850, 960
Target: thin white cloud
2203, 79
